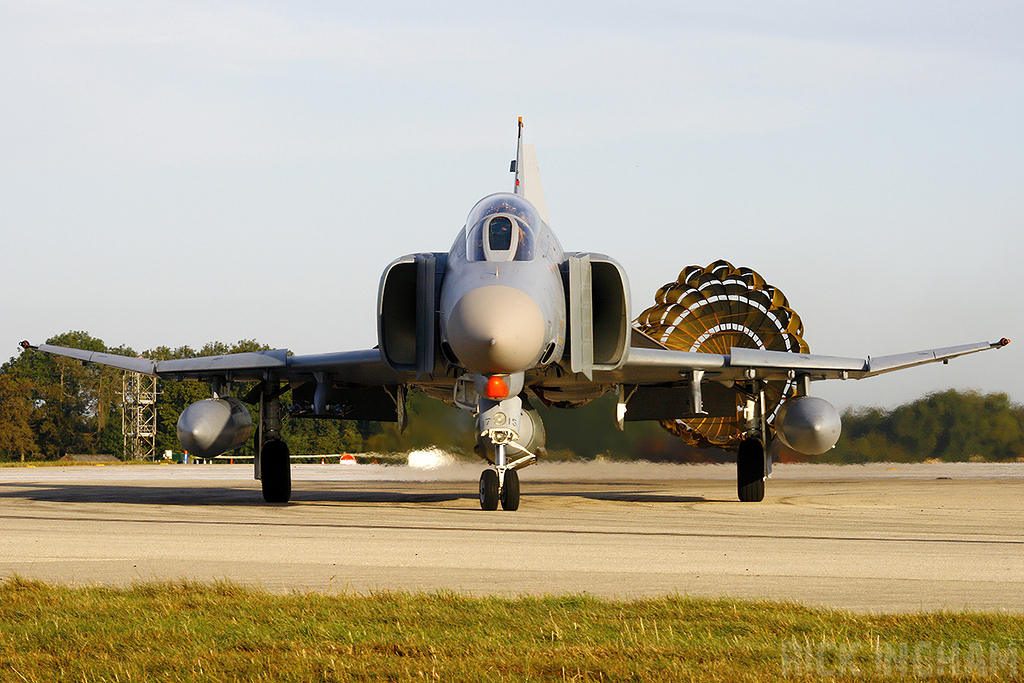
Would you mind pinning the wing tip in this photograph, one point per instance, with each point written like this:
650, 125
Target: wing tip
25, 345
1001, 343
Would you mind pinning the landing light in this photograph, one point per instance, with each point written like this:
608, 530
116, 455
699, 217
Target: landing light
496, 388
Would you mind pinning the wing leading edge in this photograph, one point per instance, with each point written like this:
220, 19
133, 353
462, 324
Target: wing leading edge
647, 365
364, 367
644, 365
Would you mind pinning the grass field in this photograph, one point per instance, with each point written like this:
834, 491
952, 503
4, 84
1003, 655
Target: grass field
223, 632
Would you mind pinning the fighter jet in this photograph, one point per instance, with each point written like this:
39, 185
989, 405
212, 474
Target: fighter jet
505, 322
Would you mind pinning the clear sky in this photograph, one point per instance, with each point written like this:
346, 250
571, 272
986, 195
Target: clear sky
176, 172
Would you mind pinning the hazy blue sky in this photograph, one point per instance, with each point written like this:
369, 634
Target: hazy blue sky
179, 172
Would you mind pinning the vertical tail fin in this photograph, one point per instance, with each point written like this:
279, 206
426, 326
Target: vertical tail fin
528, 175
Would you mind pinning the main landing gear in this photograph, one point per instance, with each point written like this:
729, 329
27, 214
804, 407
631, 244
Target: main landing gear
753, 457
273, 459
750, 470
276, 477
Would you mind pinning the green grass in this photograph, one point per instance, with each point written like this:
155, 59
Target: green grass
223, 632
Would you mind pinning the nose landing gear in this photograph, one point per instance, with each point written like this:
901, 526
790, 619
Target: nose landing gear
503, 423
500, 485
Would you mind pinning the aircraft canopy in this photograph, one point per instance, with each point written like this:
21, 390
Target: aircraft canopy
502, 227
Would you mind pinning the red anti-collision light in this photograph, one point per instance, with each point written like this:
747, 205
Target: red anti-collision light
496, 387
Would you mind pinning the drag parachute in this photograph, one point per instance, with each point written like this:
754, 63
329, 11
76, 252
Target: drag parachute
712, 310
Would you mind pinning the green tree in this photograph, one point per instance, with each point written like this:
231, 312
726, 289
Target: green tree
318, 437
947, 425
72, 403
17, 440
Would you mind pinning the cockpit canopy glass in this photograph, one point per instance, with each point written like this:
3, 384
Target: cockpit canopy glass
502, 227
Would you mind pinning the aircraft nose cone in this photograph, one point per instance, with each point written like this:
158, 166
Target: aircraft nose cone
496, 330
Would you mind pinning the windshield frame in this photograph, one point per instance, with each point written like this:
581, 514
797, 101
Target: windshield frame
524, 221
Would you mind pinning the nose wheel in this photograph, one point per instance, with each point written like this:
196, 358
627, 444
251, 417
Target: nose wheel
489, 490
503, 489
510, 491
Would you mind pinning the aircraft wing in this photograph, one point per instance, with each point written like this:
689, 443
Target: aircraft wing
365, 367
646, 365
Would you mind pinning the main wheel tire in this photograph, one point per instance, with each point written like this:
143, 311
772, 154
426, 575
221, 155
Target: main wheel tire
510, 491
489, 490
275, 472
750, 471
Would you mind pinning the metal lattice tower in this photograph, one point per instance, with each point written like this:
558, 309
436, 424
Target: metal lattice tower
138, 419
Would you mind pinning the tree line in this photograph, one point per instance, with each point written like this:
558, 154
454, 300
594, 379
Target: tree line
51, 406
949, 425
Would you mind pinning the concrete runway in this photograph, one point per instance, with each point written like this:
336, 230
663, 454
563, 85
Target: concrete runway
878, 538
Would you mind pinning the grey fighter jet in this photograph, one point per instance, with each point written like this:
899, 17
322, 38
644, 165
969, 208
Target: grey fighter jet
505, 320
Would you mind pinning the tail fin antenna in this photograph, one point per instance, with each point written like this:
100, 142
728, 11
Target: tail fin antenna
528, 175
